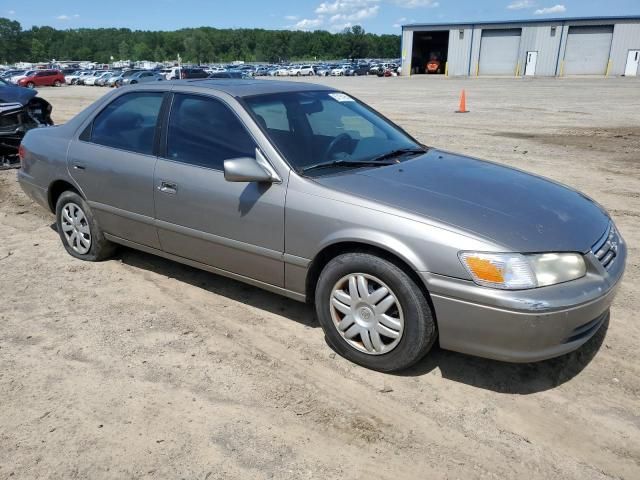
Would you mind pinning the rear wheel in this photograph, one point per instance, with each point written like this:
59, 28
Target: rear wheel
78, 230
373, 313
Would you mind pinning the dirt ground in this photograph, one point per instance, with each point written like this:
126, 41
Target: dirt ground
138, 367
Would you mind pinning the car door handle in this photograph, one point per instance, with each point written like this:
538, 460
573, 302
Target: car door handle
79, 166
168, 187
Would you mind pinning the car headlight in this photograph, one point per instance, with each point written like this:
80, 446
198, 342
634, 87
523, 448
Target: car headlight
515, 271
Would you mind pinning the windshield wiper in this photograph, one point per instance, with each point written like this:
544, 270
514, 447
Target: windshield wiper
346, 163
398, 152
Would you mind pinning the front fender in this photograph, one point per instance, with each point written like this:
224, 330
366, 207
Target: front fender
375, 238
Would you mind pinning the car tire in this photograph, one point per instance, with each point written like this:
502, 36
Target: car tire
89, 243
57, 83
414, 328
31, 85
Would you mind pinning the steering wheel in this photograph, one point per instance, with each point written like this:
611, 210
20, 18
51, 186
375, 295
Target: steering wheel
335, 143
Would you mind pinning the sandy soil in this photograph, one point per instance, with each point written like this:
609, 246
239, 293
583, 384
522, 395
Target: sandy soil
138, 367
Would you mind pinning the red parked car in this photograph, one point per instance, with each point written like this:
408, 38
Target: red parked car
41, 78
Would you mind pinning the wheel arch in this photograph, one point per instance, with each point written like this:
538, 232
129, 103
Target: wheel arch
57, 188
331, 251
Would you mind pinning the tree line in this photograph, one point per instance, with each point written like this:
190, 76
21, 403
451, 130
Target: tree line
196, 45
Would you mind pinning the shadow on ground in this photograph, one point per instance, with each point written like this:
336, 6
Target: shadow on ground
501, 377
231, 289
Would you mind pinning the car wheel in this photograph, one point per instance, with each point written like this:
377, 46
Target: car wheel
57, 83
133, 82
78, 230
31, 85
373, 313
355, 74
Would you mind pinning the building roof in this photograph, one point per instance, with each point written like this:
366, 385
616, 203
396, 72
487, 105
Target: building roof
247, 88
529, 20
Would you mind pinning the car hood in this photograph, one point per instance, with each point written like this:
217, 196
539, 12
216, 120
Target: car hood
520, 211
15, 94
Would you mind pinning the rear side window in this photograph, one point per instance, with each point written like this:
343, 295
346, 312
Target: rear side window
204, 131
129, 122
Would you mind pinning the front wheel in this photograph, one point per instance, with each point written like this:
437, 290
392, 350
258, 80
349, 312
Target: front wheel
78, 230
57, 83
31, 85
373, 313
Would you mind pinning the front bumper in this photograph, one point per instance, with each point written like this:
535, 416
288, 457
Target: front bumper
525, 325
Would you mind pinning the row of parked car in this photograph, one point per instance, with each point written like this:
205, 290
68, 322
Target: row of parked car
33, 78
118, 78
327, 70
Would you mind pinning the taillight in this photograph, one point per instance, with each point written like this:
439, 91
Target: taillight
22, 154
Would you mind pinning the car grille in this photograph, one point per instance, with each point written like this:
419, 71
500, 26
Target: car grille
606, 249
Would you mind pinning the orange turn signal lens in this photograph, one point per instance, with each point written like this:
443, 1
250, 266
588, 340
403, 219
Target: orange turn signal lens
485, 270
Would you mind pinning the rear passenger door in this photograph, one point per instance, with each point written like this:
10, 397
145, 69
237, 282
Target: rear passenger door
236, 227
113, 160
41, 78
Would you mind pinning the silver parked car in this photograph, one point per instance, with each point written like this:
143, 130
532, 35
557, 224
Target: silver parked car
142, 77
307, 192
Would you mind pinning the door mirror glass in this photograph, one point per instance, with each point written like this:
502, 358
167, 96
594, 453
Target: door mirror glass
245, 169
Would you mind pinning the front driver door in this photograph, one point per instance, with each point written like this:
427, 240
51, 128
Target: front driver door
236, 227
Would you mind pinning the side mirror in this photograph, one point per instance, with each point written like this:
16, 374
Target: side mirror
245, 169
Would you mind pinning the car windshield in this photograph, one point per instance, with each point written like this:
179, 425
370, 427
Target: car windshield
329, 128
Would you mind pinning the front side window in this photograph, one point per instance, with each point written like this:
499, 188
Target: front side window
203, 131
310, 128
129, 122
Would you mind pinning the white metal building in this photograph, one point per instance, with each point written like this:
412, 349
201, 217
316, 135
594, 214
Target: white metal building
539, 47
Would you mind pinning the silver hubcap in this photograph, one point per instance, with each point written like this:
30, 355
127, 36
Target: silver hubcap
366, 313
76, 228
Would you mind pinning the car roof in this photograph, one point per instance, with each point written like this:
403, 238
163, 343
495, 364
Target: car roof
247, 88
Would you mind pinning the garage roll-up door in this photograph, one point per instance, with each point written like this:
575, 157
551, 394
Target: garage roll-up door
588, 50
499, 51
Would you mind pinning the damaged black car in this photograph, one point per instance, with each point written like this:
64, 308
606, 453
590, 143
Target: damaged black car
20, 111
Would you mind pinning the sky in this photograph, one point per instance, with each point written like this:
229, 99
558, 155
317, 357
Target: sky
377, 16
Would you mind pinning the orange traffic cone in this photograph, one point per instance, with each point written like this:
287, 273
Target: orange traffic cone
463, 103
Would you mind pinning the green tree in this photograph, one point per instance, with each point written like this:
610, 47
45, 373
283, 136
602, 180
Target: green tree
38, 52
141, 51
203, 44
123, 50
10, 31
